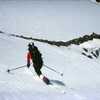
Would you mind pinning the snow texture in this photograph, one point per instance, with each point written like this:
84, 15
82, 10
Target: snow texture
55, 20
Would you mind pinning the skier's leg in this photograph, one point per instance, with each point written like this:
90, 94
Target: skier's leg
37, 70
39, 73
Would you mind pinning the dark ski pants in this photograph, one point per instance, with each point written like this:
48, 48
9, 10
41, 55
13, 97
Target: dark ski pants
37, 69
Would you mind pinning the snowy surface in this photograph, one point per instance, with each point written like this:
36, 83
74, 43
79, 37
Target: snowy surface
81, 74
44, 18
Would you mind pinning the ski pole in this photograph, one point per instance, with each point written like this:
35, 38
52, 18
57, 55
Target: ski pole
61, 74
16, 68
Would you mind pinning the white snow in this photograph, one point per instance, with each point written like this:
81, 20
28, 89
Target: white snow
92, 44
81, 74
52, 21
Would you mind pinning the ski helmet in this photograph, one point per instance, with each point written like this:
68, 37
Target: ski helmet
30, 46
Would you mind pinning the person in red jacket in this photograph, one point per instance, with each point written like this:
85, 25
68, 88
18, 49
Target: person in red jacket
35, 56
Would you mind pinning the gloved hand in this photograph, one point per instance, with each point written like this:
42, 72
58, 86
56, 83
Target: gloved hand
28, 65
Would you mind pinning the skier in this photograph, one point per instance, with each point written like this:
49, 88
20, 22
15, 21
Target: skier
36, 57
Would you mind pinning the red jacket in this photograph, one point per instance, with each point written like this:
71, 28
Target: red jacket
29, 57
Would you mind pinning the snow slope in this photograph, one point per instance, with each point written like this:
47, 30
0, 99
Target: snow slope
81, 74
44, 18
66, 20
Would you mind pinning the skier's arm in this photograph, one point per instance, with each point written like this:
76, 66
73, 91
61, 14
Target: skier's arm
28, 59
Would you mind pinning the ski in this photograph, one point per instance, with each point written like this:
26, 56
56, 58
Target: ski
46, 81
